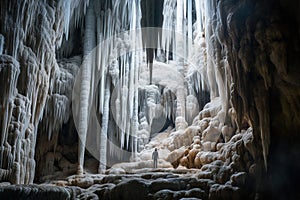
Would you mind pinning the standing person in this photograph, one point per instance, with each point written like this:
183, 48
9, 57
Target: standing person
155, 157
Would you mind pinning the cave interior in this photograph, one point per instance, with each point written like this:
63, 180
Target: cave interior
89, 88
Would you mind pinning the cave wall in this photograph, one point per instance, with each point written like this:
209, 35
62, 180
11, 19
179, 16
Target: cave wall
32, 83
261, 42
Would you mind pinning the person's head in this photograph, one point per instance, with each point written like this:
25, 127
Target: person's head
155, 149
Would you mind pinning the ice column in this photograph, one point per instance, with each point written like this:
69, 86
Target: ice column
85, 85
119, 71
103, 134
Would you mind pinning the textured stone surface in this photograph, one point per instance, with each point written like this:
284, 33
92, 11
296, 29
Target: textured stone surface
246, 134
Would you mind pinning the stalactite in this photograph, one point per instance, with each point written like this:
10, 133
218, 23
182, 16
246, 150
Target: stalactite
121, 71
179, 47
103, 134
9, 69
1, 43
86, 77
168, 24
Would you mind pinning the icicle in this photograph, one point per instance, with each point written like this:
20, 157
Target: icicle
109, 23
105, 118
1, 43
168, 26
118, 111
190, 25
67, 12
86, 78
133, 16
179, 28
135, 109
131, 88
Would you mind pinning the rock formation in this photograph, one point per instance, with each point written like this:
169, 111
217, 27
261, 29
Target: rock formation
94, 86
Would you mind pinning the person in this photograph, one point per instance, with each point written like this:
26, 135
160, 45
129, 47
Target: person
155, 157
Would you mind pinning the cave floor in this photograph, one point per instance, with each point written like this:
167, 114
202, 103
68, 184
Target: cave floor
147, 183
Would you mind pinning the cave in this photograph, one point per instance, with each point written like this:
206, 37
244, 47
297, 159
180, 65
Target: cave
89, 88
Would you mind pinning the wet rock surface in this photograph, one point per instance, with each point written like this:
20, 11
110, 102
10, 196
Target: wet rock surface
153, 184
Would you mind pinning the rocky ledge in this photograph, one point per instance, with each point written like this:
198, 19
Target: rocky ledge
149, 184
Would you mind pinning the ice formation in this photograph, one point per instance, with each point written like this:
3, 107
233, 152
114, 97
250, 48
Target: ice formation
191, 85
30, 72
118, 73
140, 109
131, 109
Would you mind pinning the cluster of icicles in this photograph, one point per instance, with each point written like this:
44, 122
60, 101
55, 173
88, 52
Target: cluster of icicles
183, 37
